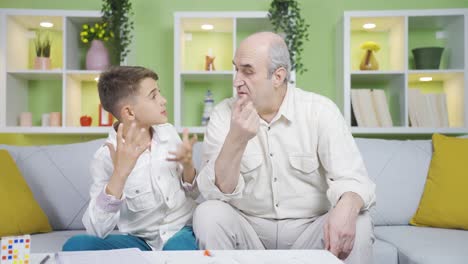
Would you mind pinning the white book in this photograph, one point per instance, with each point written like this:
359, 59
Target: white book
381, 108
355, 104
367, 107
434, 116
422, 108
442, 109
412, 106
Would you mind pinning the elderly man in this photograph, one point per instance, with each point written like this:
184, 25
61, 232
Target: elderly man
282, 170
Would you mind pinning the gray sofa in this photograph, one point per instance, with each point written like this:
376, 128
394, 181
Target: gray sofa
59, 178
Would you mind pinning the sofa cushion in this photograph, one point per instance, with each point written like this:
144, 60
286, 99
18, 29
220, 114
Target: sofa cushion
443, 201
17, 202
385, 253
59, 178
426, 245
399, 170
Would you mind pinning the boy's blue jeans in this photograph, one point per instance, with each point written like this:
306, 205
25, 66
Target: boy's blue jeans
182, 240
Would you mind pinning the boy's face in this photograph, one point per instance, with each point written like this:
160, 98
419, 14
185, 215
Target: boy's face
150, 105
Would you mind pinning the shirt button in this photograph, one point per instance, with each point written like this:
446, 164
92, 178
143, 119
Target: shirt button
167, 199
277, 204
275, 179
137, 191
268, 128
271, 154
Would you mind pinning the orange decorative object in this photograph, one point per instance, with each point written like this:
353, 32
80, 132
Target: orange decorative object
209, 63
207, 253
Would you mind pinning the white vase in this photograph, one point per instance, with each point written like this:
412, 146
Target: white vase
292, 78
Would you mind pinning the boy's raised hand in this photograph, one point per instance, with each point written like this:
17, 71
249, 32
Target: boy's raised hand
183, 154
128, 149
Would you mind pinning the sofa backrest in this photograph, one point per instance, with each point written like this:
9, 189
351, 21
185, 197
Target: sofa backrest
399, 170
59, 177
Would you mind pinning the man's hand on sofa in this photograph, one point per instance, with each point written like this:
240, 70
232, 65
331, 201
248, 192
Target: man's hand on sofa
340, 226
125, 157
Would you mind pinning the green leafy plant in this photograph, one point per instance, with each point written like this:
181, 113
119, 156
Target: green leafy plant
98, 31
46, 44
42, 44
117, 14
286, 18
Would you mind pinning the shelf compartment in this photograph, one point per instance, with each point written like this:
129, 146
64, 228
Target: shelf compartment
82, 97
196, 43
438, 31
35, 95
451, 83
21, 33
389, 33
193, 94
394, 87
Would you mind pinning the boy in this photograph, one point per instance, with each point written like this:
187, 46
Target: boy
137, 186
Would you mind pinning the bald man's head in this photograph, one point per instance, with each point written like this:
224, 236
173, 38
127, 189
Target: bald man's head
272, 47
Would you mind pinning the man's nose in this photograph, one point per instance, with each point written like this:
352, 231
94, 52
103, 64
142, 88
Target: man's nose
238, 81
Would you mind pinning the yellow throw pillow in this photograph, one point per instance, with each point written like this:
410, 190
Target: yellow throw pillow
443, 203
19, 211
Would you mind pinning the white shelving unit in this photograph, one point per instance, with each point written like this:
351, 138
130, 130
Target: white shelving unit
191, 44
398, 32
66, 88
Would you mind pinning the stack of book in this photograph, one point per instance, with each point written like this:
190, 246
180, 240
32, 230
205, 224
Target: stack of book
370, 108
427, 110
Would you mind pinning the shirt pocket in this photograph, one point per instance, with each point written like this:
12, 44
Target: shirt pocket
305, 164
140, 198
249, 168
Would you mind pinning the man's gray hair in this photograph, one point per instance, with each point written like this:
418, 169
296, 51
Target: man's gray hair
279, 57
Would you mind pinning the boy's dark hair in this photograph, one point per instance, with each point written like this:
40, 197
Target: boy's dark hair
119, 83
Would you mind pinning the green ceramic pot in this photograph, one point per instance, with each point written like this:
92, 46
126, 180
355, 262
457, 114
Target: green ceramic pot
427, 57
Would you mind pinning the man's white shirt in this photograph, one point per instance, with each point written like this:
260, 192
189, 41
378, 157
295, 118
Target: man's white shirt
297, 166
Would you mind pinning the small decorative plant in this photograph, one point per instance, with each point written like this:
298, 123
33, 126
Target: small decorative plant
42, 45
286, 18
98, 31
118, 15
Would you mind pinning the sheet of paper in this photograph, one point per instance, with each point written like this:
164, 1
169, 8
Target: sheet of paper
121, 256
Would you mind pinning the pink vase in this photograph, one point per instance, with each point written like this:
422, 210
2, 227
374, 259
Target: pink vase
97, 57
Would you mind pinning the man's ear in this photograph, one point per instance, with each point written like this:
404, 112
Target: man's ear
279, 76
127, 113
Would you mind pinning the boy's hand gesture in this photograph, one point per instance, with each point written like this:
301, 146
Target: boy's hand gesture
183, 155
128, 149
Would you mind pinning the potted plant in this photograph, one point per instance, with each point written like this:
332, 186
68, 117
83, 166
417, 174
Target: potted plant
42, 46
286, 18
118, 15
97, 57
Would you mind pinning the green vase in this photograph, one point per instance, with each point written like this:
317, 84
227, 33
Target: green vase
427, 57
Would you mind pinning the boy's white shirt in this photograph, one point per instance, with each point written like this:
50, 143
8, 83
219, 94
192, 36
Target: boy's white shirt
155, 204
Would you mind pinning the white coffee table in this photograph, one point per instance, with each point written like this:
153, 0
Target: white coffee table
227, 257
244, 257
